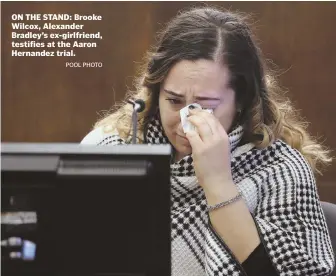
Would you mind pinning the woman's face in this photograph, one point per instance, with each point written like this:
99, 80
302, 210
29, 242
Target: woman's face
204, 82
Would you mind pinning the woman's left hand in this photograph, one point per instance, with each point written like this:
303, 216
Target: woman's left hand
210, 150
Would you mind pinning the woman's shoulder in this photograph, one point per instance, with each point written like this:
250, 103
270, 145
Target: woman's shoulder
102, 136
286, 152
289, 157
278, 163
277, 155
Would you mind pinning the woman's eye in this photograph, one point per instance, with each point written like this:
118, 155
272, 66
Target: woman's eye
174, 101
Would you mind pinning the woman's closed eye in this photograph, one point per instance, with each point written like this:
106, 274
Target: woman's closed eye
174, 101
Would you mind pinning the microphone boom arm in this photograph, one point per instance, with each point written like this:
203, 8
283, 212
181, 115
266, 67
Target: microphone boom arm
138, 106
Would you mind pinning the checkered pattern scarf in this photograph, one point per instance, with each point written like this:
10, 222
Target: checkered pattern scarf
279, 189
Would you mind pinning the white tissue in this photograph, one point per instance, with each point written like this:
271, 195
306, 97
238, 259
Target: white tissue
184, 112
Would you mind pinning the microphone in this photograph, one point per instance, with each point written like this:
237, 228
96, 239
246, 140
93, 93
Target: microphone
138, 106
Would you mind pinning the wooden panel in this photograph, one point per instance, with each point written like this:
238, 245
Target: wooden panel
42, 101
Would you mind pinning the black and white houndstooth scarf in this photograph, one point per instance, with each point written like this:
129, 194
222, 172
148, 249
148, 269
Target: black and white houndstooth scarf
279, 189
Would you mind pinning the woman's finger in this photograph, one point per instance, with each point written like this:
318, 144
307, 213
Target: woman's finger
202, 127
195, 140
209, 118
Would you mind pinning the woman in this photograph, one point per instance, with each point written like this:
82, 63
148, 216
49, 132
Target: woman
244, 200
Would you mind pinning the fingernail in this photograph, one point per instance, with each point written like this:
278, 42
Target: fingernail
192, 107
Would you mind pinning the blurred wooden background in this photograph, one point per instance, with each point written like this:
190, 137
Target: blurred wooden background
42, 101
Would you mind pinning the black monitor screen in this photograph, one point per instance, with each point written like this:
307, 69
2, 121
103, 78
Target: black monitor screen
85, 210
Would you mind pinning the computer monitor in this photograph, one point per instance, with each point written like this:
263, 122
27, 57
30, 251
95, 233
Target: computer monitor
70, 209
